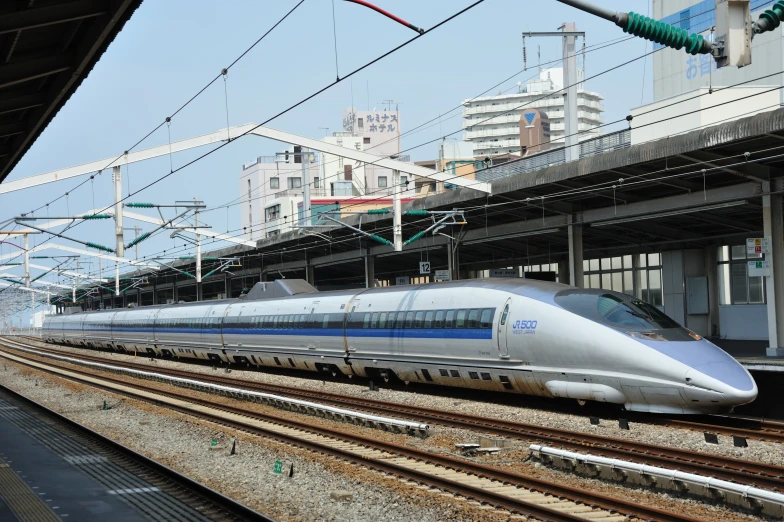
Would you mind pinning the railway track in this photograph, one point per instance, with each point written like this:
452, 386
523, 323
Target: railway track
766, 476
728, 425
180, 497
496, 487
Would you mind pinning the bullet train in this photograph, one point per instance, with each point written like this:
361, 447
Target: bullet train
514, 335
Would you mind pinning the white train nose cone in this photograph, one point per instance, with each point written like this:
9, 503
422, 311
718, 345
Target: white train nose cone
737, 385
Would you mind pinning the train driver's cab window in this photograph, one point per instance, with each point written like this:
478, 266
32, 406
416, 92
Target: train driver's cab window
504, 315
636, 314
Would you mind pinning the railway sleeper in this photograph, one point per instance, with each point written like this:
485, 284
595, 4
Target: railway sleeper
746, 498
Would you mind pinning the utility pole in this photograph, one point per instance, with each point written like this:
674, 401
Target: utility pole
397, 218
570, 92
305, 188
198, 254
118, 225
27, 260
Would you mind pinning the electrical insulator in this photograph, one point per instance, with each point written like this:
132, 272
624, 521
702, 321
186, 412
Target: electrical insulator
664, 34
770, 18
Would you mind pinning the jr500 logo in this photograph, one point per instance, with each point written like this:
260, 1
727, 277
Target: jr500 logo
524, 327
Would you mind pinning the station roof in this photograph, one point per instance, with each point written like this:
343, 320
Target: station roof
695, 190
47, 48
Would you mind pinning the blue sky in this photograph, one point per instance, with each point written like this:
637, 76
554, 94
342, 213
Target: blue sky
170, 49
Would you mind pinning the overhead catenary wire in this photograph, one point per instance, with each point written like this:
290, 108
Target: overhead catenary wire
311, 96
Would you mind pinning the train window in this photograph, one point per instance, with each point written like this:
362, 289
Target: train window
429, 319
636, 314
504, 315
418, 318
486, 376
454, 373
325, 321
487, 318
473, 318
505, 382
374, 320
426, 375
450, 319
460, 319
473, 375
382, 320
401, 317
439, 320
303, 320
366, 320
409, 319
444, 373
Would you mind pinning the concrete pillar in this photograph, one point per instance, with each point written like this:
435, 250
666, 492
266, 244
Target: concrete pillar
310, 273
174, 291
575, 231
711, 272
370, 271
773, 225
227, 285
563, 271
453, 258
154, 294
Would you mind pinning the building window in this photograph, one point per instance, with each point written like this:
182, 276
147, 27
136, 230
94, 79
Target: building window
272, 212
735, 284
316, 182
382, 181
272, 234
274, 183
295, 183
366, 141
360, 123
403, 180
619, 274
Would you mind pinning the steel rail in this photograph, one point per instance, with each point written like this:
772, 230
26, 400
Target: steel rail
727, 468
450, 463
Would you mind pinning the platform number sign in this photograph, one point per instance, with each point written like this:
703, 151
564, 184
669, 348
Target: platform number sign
424, 267
278, 467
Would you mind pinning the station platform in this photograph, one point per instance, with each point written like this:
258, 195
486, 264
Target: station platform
46, 475
751, 354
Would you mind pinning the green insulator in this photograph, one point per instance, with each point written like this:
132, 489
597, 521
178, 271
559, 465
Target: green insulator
417, 212
773, 16
210, 259
138, 240
139, 205
379, 239
415, 237
98, 216
185, 258
39, 257
664, 34
378, 211
99, 247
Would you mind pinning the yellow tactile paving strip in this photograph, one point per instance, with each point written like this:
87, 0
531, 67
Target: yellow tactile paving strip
22, 500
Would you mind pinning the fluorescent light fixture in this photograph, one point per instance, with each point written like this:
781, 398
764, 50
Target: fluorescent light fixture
667, 214
511, 236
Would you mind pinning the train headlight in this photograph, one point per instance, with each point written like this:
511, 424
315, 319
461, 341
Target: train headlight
648, 336
696, 337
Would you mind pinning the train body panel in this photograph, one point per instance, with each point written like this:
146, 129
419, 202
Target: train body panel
517, 336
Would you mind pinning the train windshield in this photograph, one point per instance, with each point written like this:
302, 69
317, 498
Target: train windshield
625, 313
633, 313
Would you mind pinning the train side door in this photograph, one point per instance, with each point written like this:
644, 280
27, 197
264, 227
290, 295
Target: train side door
503, 346
353, 322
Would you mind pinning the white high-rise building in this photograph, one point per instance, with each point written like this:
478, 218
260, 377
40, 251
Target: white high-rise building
492, 123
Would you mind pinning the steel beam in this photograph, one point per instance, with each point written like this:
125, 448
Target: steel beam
233, 133
50, 15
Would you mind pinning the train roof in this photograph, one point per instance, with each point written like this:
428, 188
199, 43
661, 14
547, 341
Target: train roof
298, 288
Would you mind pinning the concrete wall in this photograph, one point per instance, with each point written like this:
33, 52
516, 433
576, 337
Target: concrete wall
744, 322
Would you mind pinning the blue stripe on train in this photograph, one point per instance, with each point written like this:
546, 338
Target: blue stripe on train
406, 333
